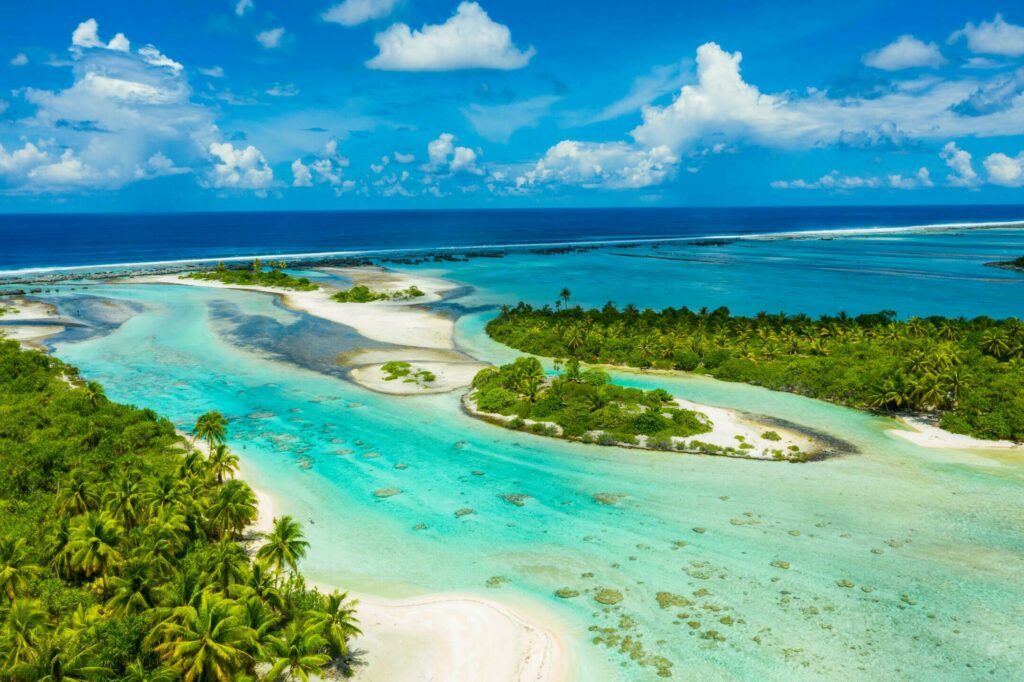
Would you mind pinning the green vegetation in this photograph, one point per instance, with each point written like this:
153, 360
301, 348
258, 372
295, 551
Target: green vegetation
583, 405
364, 294
969, 372
256, 275
121, 554
403, 370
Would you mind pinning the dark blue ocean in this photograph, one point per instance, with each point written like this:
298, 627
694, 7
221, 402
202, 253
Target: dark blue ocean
65, 240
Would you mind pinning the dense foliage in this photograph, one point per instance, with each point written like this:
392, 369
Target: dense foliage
120, 552
583, 404
971, 372
397, 369
256, 275
364, 294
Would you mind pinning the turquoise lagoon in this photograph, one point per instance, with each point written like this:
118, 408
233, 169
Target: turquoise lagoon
903, 562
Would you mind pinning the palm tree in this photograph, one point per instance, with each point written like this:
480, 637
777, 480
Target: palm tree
285, 545
133, 588
75, 495
54, 663
261, 586
93, 544
222, 462
137, 672
299, 651
226, 564
205, 643
339, 623
15, 569
233, 508
996, 342
125, 501
565, 295
211, 427
166, 534
94, 394
58, 546
25, 621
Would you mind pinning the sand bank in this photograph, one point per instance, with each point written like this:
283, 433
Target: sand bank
445, 637
29, 322
930, 436
449, 376
403, 323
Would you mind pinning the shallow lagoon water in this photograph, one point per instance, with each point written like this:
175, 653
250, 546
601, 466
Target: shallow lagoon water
933, 535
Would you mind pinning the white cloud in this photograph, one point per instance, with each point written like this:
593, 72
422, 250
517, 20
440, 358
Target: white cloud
404, 158
834, 181
1004, 170
238, 168
21, 161
325, 167
613, 165
443, 156
992, 37
468, 40
213, 72
355, 12
646, 89
379, 167
154, 57
959, 161
301, 174
922, 178
497, 123
243, 6
270, 38
905, 52
87, 36
20, 59
285, 90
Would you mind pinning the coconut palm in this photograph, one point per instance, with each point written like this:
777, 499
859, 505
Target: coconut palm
226, 564
94, 394
125, 501
75, 495
206, 643
57, 662
94, 544
222, 462
285, 545
338, 622
298, 652
233, 508
211, 427
22, 631
15, 568
133, 588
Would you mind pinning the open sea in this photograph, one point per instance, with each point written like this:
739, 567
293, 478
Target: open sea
63, 240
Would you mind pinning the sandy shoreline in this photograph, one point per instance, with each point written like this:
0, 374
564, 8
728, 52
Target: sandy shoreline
30, 323
445, 637
926, 435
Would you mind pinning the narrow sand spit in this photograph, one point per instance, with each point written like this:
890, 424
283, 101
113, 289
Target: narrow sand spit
29, 322
403, 323
926, 435
445, 637
449, 377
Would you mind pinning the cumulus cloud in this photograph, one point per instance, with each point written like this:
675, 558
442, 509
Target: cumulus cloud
444, 155
1004, 170
325, 167
468, 40
906, 52
992, 37
127, 116
243, 6
834, 181
613, 165
87, 35
20, 59
270, 38
238, 168
922, 178
498, 122
355, 12
959, 161
404, 158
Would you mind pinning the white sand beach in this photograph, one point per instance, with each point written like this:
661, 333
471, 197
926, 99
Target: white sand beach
29, 322
449, 376
445, 637
403, 323
920, 432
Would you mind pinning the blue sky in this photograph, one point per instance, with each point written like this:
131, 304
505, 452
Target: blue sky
339, 104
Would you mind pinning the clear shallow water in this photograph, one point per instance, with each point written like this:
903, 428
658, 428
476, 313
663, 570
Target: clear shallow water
942, 528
